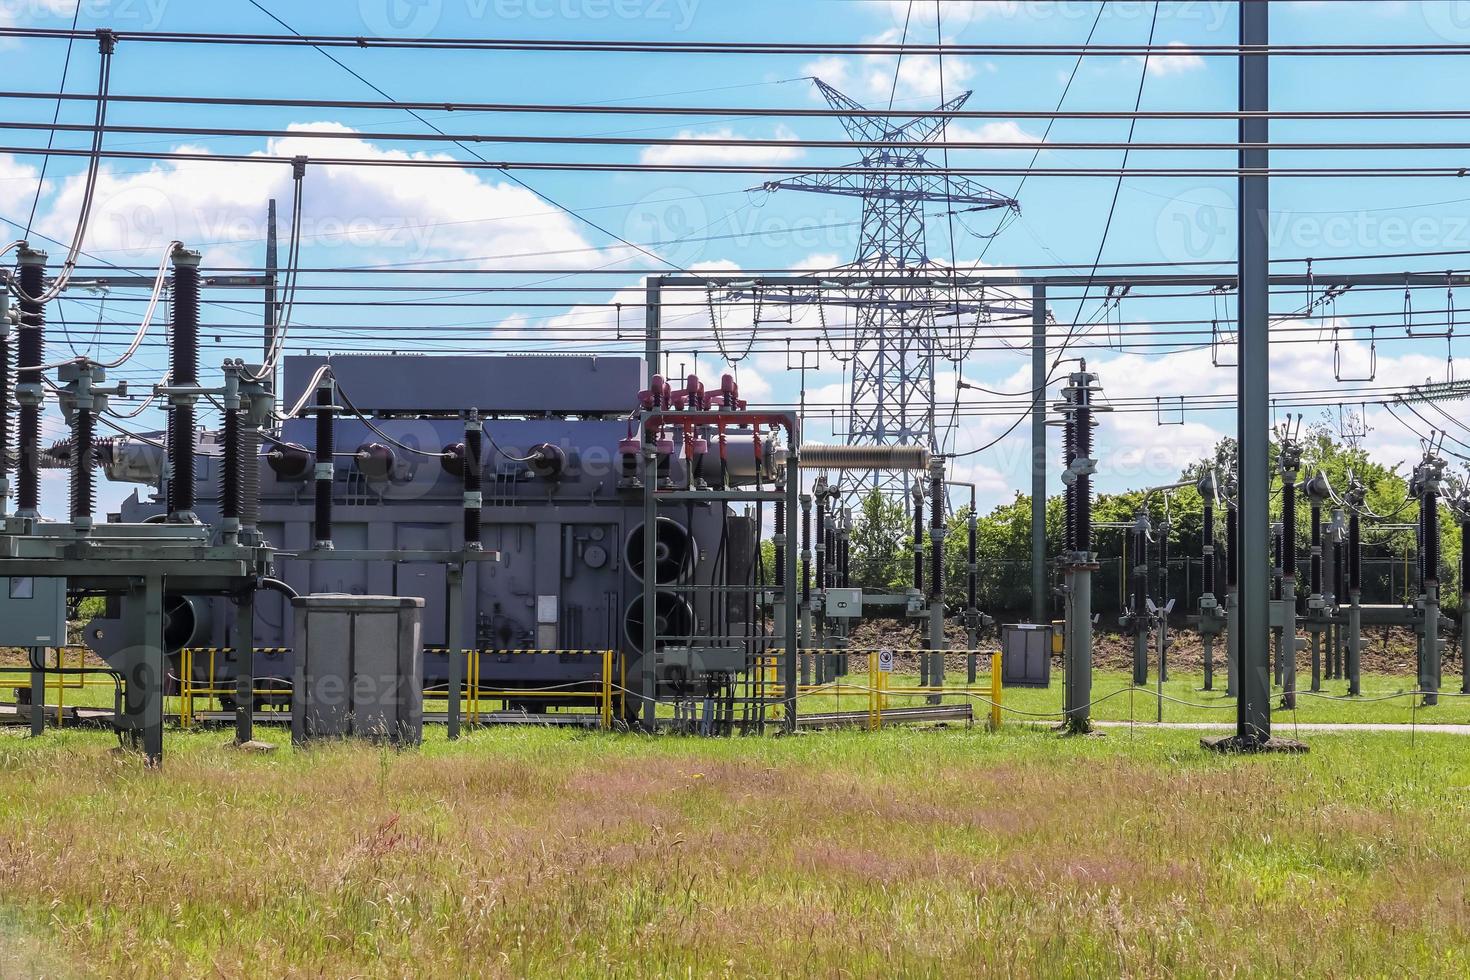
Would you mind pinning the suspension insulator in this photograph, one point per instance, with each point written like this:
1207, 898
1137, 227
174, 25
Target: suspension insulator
1069, 496
31, 352
184, 371
1288, 531
250, 477
1431, 537
325, 469
231, 467
780, 543
1083, 446
919, 542
7, 378
823, 533
819, 456
83, 457
1355, 553
1207, 535
972, 584
936, 528
806, 549
474, 451
1316, 572
1232, 548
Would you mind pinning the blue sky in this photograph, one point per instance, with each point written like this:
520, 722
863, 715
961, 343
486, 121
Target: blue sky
360, 216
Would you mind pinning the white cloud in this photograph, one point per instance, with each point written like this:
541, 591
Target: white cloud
694, 153
403, 213
1180, 61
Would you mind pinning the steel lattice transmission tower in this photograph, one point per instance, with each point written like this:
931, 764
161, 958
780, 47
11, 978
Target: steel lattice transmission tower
895, 339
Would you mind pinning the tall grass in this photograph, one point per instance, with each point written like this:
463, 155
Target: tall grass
902, 853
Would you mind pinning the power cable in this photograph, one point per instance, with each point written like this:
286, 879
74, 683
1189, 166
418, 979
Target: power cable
55, 118
502, 168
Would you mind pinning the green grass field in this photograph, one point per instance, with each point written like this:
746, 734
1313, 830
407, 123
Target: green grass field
518, 852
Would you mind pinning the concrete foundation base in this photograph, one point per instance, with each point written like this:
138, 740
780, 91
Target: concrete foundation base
1234, 744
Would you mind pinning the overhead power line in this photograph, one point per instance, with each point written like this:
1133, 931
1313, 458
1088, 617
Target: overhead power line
489, 108
803, 48
506, 166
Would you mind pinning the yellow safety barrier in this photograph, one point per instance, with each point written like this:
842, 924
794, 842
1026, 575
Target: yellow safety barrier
211, 686
880, 689
61, 683
605, 696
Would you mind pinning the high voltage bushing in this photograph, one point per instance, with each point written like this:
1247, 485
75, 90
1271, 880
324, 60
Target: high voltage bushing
1337, 533
1078, 562
1461, 507
231, 470
806, 586
1211, 614
7, 379
820, 456
474, 453
325, 469
1137, 619
1425, 485
183, 373
29, 393
1318, 492
1355, 497
1288, 461
918, 498
82, 399
937, 641
1232, 595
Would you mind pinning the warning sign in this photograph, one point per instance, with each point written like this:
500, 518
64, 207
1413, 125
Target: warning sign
885, 661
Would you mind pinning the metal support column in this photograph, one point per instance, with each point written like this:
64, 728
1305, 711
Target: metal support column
37, 656
652, 325
1040, 607
454, 578
245, 667
793, 486
151, 671
1253, 708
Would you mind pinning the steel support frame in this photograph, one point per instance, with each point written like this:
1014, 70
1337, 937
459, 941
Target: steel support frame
646, 691
1040, 606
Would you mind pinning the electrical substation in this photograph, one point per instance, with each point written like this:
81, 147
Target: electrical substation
363, 539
